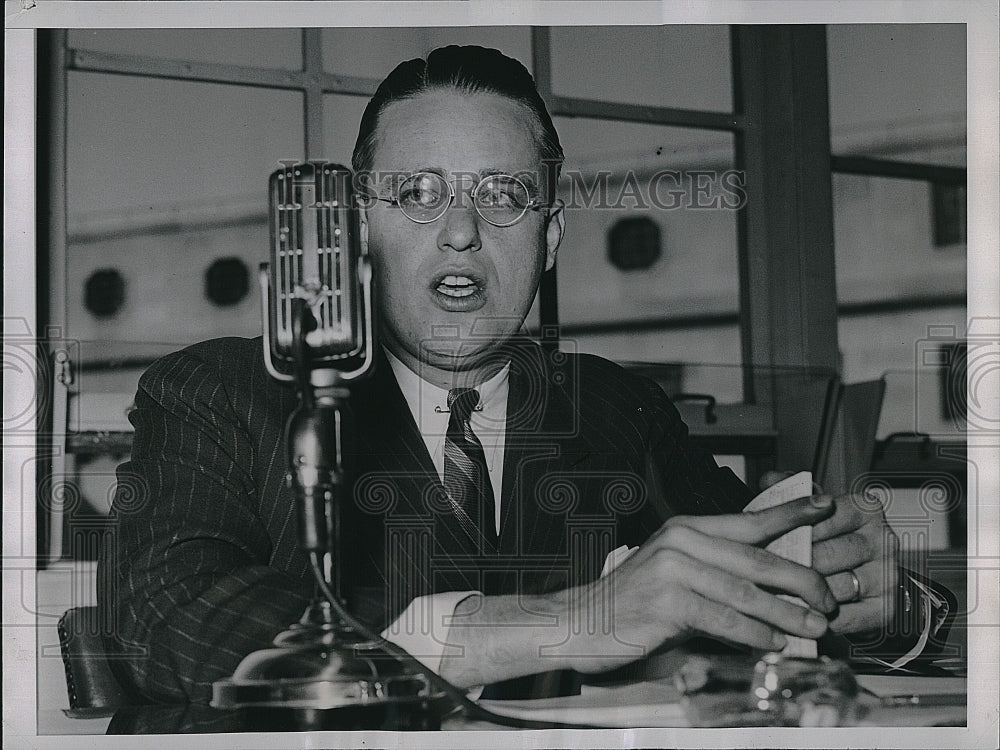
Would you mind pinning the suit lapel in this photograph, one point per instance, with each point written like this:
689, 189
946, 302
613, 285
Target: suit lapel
393, 454
390, 443
543, 445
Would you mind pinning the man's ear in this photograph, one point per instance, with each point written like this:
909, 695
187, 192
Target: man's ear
554, 232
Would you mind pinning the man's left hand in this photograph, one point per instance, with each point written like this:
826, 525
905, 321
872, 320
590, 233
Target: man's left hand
857, 553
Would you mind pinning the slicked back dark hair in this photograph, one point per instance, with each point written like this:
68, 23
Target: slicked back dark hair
469, 70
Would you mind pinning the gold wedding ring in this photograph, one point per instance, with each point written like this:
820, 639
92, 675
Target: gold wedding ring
855, 587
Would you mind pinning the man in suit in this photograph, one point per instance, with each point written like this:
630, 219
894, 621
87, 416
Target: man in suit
572, 460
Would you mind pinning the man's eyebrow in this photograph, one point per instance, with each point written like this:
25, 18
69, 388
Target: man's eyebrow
435, 170
527, 176
523, 174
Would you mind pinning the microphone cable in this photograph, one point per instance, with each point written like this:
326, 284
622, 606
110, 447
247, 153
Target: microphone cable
472, 708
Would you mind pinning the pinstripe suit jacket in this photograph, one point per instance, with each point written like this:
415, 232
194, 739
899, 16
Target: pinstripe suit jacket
202, 564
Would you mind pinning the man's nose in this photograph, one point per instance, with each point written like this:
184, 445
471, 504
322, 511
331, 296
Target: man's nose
459, 229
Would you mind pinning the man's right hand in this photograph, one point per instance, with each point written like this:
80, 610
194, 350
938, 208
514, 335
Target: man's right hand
704, 575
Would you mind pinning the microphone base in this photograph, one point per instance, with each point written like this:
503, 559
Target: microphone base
320, 675
413, 717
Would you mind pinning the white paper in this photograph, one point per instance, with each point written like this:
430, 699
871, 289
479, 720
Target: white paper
887, 686
796, 545
647, 704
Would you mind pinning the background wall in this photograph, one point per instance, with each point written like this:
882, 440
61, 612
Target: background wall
166, 177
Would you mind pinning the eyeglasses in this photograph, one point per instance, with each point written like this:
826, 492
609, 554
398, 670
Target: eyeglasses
500, 199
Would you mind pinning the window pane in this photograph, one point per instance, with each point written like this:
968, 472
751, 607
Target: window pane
140, 142
373, 53
886, 256
163, 179
370, 53
718, 346
884, 240
898, 91
341, 117
265, 48
652, 178
669, 66
892, 344
614, 145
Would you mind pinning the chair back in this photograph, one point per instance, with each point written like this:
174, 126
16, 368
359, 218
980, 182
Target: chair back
93, 688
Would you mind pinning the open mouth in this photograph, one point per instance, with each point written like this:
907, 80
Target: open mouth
459, 292
458, 286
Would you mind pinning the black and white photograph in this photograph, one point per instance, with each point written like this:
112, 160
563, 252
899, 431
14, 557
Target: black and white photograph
413, 373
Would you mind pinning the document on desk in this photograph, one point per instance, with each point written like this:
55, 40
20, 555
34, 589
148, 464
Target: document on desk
644, 704
796, 545
916, 689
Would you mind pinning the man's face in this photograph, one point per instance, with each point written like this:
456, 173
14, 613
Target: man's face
449, 291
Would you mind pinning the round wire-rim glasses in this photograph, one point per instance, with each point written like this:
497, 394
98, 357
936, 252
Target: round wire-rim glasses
501, 200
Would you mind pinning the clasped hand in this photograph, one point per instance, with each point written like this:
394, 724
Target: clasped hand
710, 575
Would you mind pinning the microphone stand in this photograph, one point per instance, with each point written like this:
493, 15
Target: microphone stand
322, 672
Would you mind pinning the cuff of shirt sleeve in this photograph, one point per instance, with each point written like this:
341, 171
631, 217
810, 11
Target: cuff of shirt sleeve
923, 614
932, 610
422, 628
616, 557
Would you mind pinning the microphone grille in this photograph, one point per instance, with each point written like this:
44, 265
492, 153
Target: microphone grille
315, 247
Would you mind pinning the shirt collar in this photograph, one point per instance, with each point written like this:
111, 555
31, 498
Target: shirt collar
429, 403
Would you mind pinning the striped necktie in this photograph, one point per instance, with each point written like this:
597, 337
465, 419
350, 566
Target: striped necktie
466, 478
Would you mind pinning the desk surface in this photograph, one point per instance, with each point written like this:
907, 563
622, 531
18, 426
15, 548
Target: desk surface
185, 719
656, 703
645, 704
